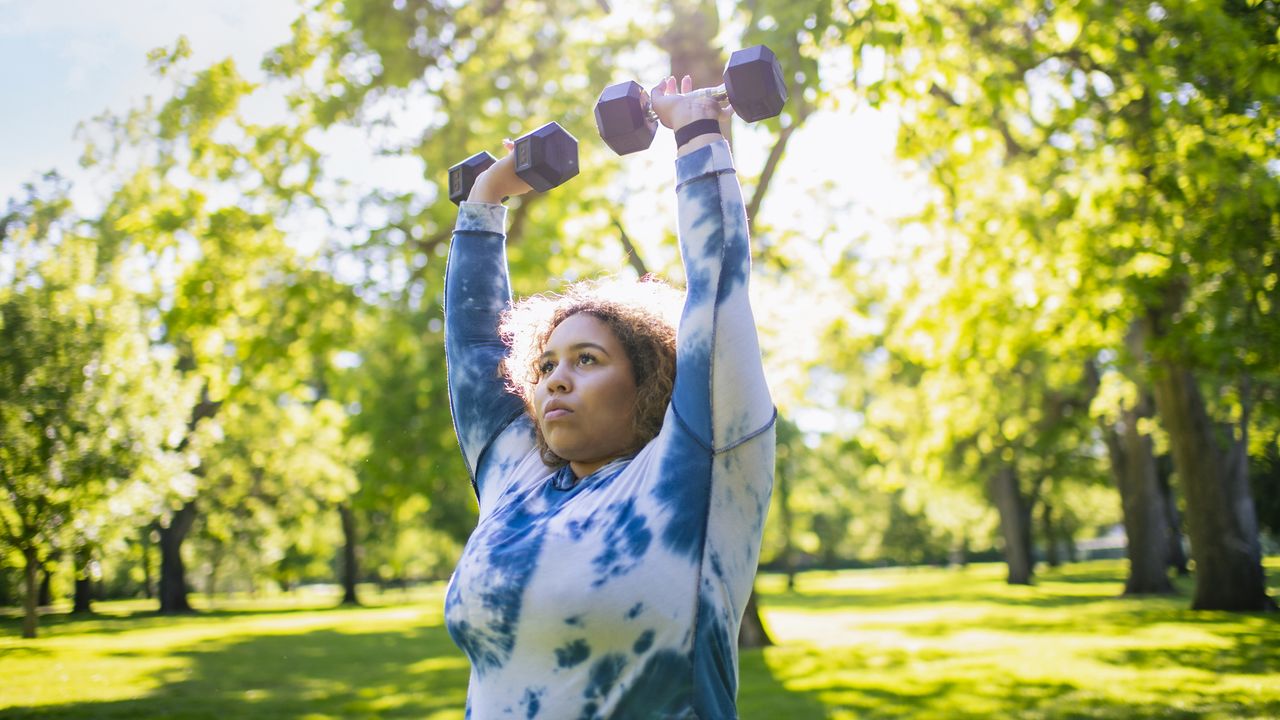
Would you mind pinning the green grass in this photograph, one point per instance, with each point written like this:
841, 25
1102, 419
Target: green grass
895, 643
932, 643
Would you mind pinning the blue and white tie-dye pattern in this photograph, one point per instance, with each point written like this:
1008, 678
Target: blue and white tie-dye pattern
618, 595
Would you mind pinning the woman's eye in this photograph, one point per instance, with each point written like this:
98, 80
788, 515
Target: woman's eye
545, 368
586, 359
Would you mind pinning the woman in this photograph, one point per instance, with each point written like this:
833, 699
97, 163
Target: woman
611, 565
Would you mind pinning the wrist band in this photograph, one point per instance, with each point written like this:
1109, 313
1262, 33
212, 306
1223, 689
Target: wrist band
705, 126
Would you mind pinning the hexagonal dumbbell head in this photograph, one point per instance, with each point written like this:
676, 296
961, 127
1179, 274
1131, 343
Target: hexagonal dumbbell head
623, 120
753, 79
546, 157
463, 175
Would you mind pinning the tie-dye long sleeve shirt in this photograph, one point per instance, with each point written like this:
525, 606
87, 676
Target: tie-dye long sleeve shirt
618, 595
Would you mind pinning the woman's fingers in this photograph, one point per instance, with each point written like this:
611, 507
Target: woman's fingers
670, 99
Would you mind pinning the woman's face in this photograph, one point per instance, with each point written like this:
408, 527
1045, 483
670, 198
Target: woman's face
585, 397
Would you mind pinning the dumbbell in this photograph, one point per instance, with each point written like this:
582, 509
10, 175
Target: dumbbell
545, 158
753, 85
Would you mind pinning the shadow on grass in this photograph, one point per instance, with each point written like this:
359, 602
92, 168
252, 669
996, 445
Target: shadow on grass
1113, 617
846, 683
937, 644
934, 587
1002, 698
17, 652
318, 674
762, 696
56, 623
1247, 652
1081, 593
805, 683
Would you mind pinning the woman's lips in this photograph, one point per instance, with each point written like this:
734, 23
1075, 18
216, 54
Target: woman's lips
556, 413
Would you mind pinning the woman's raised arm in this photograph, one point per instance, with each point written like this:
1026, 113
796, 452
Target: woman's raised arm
477, 290
720, 394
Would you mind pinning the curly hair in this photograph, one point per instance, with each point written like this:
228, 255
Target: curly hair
642, 314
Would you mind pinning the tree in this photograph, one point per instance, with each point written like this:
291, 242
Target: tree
255, 322
1137, 475
1131, 144
87, 407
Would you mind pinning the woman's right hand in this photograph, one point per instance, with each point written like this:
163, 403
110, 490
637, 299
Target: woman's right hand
675, 109
499, 181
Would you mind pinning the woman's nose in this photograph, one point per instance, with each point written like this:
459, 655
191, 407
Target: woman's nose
558, 380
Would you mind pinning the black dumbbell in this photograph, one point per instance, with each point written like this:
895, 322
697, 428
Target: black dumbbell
545, 158
753, 85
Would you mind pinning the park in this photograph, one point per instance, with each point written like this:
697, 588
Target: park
1014, 276
876, 643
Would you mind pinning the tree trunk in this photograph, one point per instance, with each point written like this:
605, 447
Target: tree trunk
1177, 556
84, 581
690, 43
1015, 523
350, 571
30, 611
148, 590
958, 556
8, 598
752, 633
46, 585
1212, 465
784, 506
216, 552
1133, 465
173, 574
1052, 549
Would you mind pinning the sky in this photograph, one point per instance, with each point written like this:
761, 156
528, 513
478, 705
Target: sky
66, 61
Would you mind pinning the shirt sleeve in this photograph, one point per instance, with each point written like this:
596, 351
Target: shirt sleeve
720, 394
477, 290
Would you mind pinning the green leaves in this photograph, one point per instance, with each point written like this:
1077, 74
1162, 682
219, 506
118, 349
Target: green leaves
90, 410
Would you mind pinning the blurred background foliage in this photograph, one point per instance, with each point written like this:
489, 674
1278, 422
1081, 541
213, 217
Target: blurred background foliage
229, 375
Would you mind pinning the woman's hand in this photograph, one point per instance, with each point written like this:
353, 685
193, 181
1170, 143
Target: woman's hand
500, 181
675, 110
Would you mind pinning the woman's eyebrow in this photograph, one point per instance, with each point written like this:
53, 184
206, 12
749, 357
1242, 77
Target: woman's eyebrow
578, 346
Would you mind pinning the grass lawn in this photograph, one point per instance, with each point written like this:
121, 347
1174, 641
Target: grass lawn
896, 643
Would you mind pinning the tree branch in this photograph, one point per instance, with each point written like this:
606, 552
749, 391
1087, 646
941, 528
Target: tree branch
633, 255
1011, 146
520, 214
766, 175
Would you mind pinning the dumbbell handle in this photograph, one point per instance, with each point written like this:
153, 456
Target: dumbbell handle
718, 93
